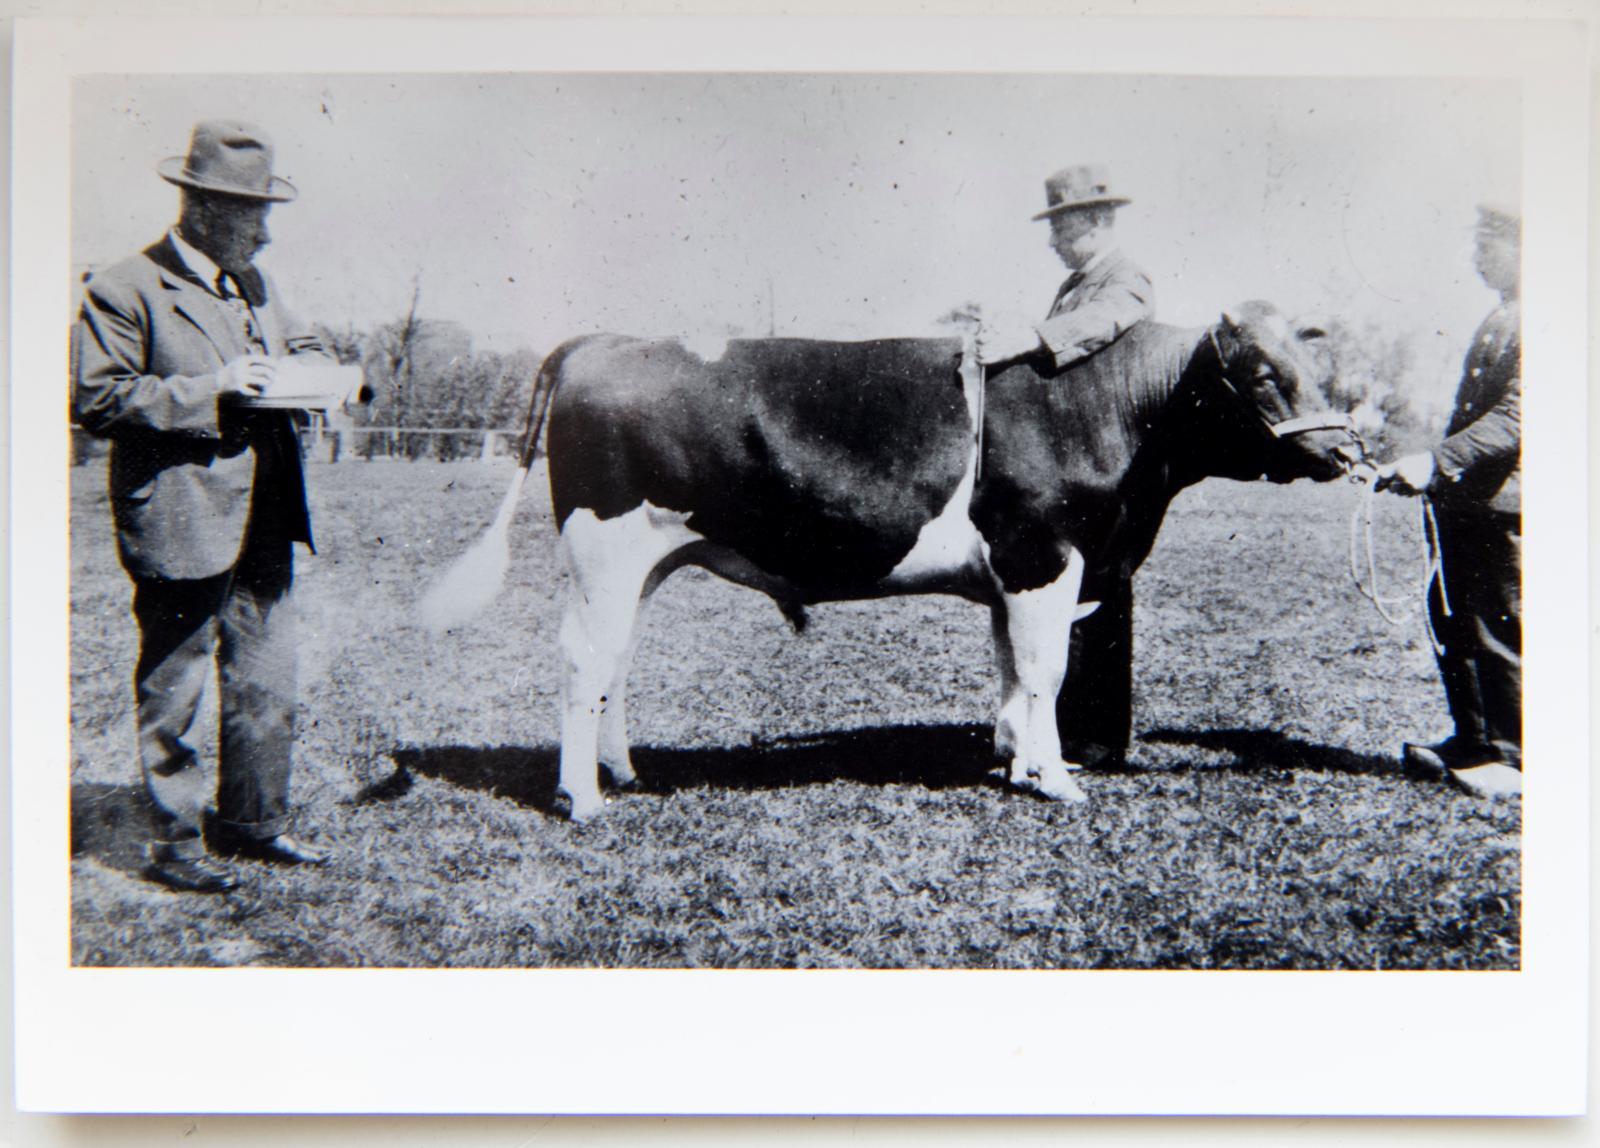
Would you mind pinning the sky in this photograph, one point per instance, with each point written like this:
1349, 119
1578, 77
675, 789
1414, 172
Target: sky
530, 208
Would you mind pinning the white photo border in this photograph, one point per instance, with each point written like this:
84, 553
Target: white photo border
518, 1041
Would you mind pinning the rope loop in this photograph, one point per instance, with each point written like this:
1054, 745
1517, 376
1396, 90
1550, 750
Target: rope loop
1415, 594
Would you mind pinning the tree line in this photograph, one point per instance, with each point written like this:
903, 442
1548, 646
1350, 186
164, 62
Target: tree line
426, 375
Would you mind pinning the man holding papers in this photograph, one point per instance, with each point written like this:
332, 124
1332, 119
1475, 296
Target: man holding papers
174, 350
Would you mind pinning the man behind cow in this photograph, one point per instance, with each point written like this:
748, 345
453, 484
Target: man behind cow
1474, 480
1104, 294
208, 498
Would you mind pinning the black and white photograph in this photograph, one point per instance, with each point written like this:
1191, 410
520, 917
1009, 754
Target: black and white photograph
748, 327
773, 519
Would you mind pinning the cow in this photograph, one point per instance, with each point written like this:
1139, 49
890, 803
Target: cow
819, 471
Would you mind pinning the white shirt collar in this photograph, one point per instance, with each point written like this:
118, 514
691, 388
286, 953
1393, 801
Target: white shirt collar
196, 260
1096, 261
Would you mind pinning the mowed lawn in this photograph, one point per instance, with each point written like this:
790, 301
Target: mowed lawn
821, 800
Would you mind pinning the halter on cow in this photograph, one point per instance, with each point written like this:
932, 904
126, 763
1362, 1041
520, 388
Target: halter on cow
818, 472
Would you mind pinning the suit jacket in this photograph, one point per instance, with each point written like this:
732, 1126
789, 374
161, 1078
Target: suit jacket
1479, 464
190, 471
1093, 307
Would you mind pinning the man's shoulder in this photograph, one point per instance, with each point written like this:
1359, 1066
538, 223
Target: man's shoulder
1500, 328
1116, 271
1117, 265
135, 272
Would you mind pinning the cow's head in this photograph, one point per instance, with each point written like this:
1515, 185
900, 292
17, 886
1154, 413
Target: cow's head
1275, 375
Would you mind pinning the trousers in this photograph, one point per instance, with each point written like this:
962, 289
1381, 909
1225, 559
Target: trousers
1481, 666
1094, 709
241, 621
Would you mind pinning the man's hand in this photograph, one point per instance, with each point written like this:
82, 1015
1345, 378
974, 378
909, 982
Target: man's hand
1409, 474
1006, 337
248, 375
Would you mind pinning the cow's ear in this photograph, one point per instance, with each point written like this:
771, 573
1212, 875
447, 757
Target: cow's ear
1230, 323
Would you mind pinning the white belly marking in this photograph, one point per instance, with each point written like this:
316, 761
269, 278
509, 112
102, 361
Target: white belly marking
947, 544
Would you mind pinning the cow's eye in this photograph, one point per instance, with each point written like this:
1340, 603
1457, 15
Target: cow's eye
1266, 373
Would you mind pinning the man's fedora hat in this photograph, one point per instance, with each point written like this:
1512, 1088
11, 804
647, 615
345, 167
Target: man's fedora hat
1087, 185
230, 158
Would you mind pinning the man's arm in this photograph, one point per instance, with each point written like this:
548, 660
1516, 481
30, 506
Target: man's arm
1113, 307
1491, 439
112, 391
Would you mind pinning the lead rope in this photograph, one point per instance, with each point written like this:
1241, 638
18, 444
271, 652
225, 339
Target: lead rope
1432, 564
983, 372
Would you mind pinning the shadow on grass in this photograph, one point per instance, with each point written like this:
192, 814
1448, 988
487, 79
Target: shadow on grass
937, 756
112, 824
1263, 749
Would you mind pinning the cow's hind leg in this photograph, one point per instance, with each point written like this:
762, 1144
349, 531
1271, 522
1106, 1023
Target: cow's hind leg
1037, 627
613, 563
613, 741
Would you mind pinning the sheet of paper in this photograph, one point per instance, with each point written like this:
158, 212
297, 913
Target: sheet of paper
312, 383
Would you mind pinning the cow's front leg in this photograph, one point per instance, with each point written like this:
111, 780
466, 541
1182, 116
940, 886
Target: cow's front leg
1012, 717
1038, 626
613, 747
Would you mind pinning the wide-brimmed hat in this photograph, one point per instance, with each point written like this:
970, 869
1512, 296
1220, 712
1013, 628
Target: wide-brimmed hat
1086, 185
230, 158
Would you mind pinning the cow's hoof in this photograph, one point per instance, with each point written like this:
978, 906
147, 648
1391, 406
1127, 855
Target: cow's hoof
1051, 784
623, 779
579, 809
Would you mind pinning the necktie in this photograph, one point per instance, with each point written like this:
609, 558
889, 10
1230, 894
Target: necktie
227, 290
1067, 288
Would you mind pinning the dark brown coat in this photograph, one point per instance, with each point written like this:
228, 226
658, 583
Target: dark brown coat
1480, 460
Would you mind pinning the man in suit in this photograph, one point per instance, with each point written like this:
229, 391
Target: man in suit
1473, 478
1103, 295
208, 498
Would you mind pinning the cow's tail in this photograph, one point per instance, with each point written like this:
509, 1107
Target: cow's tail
475, 578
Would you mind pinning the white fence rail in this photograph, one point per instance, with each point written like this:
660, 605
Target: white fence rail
370, 444
364, 443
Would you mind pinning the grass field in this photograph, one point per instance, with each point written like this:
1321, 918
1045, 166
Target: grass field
819, 800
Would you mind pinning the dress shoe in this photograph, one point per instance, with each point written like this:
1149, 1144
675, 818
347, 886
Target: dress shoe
1094, 756
196, 874
282, 850
1434, 762
1492, 779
